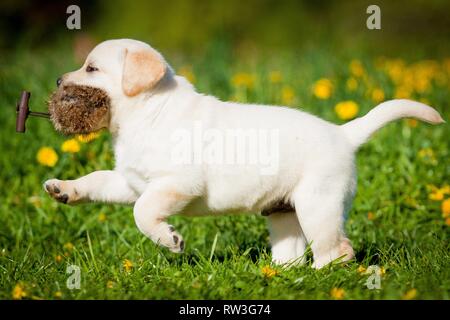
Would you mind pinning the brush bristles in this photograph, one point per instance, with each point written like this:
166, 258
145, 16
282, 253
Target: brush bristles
78, 109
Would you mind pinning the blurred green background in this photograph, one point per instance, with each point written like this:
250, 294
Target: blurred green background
253, 25
317, 56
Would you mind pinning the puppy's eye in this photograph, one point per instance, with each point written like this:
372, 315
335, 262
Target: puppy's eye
90, 68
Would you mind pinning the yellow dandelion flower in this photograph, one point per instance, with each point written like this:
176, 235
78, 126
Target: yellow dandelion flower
323, 88
351, 84
346, 110
410, 294
102, 217
426, 153
242, 79
356, 68
377, 95
46, 156
69, 246
395, 69
371, 216
268, 272
446, 208
127, 265
58, 258
422, 84
382, 271
70, 146
408, 79
58, 294
19, 292
337, 293
275, 77
110, 284
447, 221
412, 123
88, 137
437, 195
402, 93
186, 71
287, 95
361, 269
446, 189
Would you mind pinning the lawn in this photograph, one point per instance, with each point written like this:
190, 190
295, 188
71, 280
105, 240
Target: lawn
399, 220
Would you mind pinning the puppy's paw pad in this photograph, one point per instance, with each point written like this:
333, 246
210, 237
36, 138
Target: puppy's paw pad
52, 186
63, 198
182, 245
177, 244
59, 191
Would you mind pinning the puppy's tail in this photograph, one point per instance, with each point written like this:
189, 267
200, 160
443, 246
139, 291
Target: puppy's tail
360, 129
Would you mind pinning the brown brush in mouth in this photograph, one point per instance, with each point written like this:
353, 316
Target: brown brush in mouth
79, 109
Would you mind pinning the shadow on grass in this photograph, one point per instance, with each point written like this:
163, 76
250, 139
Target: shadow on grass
249, 249
368, 254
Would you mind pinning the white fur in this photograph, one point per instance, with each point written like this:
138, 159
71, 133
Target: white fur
316, 170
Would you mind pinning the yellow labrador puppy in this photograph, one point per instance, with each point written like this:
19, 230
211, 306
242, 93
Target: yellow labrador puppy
181, 152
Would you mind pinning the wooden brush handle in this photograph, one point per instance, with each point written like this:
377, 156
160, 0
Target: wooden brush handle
22, 111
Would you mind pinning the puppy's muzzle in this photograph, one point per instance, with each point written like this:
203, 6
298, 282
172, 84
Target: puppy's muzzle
79, 109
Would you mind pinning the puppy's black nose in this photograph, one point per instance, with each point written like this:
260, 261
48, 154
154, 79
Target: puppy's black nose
58, 82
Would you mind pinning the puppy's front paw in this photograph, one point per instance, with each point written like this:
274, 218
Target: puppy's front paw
176, 242
61, 191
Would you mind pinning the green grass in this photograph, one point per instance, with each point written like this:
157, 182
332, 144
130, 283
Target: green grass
408, 236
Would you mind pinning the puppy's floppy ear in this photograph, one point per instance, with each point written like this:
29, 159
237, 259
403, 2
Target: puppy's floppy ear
142, 70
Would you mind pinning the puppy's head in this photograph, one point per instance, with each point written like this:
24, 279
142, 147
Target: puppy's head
116, 71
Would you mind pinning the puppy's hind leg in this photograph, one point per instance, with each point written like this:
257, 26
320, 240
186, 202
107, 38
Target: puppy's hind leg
320, 202
286, 237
